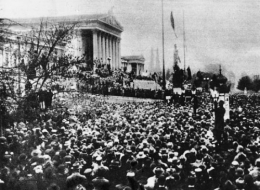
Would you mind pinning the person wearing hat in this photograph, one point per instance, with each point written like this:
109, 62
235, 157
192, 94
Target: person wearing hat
126, 158
98, 164
100, 182
152, 181
3, 146
172, 179
75, 180
219, 121
249, 183
255, 173
132, 182
157, 162
53, 186
240, 183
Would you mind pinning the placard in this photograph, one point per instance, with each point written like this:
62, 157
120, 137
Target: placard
146, 84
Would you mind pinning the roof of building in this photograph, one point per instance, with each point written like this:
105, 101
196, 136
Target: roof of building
107, 18
134, 59
131, 57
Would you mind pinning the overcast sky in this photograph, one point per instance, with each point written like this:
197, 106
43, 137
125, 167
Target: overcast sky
223, 32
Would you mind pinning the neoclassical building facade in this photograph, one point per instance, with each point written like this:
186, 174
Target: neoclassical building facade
133, 63
97, 36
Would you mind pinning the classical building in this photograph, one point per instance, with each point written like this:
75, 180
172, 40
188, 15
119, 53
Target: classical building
134, 63
96, 36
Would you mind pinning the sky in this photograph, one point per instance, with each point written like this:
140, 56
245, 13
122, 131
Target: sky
218, 32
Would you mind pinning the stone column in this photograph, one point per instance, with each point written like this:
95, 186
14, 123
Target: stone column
83, 42
103, 48
107, 48
119, 54
114, 52
110, 51
99, 46
95, 45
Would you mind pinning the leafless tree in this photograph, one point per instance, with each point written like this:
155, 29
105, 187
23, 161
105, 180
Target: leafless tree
44, 40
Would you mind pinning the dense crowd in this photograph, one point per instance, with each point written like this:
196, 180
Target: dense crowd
118, 90
133, 146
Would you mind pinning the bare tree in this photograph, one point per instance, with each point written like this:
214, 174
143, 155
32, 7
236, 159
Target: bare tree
44, 39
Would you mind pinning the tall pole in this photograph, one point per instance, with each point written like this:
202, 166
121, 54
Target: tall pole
163, 49
19, 72
184, 46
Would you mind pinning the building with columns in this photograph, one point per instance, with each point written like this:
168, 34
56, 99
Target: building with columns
133, 63
97, 36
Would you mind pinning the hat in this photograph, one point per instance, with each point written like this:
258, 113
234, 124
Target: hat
61, 168
240, 182
170, 145
36, 152
99, 158
140, 155
235, 163
163, 151
67, 158
158, 170
257, 162
44, 131
198, 170
2, 139
38, 169
88, 171
239, 172
54, 130
146, 150
130, 174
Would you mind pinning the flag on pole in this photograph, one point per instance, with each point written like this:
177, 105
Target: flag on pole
173, 26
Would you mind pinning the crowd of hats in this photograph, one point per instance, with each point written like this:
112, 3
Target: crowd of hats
135, 146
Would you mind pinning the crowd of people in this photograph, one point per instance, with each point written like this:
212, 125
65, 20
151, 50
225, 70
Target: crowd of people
118, 90
134, 146
42, 99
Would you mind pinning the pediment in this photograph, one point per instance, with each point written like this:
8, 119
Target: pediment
111, 20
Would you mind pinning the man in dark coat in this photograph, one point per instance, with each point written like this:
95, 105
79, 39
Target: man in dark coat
195, 104
41, 98
219, 121
48, 98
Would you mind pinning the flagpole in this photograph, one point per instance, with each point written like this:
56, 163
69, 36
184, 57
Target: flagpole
184, 42
163, 49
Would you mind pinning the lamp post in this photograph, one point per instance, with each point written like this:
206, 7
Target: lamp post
163, 74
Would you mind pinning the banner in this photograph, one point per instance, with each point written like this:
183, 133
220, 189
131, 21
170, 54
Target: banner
146, 84
173, 25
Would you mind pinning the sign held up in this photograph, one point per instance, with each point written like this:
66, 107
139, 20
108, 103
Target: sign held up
146, 84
